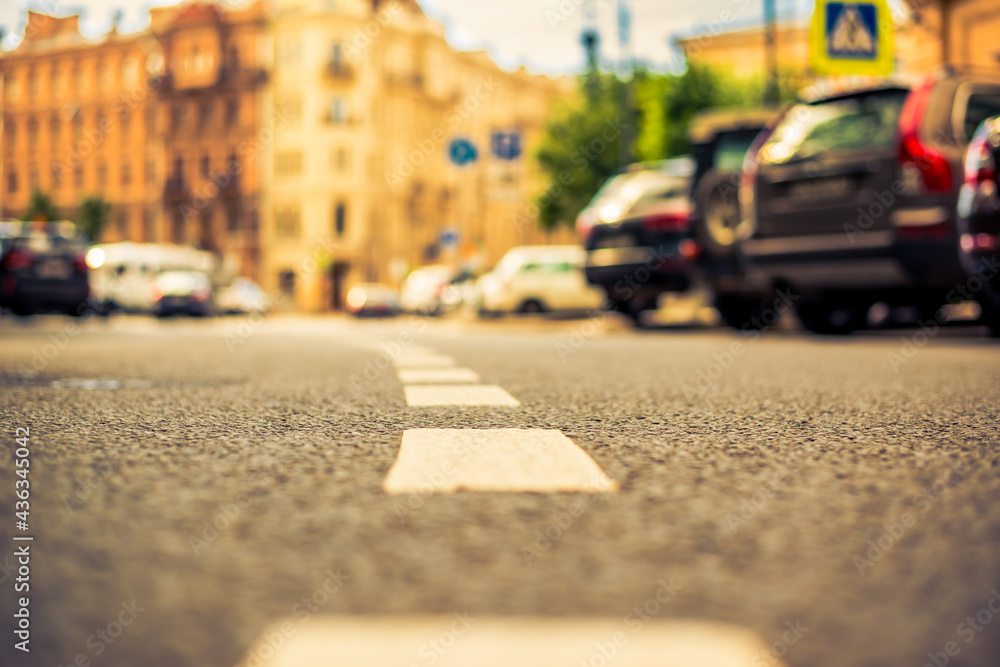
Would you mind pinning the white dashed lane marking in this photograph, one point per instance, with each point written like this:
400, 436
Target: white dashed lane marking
432, 395
509, 460
438, 375
424, 361
389, 641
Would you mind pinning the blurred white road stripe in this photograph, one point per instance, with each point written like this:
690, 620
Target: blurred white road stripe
438, 375
423, 361
463, 639
508, 460
429, 395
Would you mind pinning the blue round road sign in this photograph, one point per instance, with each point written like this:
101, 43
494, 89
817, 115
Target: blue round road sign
462, 152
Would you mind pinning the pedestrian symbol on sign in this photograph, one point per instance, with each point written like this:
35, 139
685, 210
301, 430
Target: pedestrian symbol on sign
851, 30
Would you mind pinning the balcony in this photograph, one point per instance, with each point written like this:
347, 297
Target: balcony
338, 70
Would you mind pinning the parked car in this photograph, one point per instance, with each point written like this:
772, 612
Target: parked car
242, 296
538, 279
372, 300
979, 218
182, 293
43, 267
636, 233
121, 274
425, 290
851, 201
720, 140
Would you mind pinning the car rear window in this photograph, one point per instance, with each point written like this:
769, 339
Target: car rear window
864, 121
731, 150
980, 107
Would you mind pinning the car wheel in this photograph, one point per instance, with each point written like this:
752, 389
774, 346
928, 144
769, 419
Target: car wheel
531, 306
991, 315
720, 224
831, 318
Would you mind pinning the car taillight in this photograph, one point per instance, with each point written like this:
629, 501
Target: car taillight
667, 222
980, 167
923, 168
154, 293
16, 259
201, 295
80, 263
689, 249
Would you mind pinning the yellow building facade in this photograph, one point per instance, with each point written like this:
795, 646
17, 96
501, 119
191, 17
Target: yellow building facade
367, 103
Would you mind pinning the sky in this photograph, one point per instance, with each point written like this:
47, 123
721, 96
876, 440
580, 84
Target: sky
543, 35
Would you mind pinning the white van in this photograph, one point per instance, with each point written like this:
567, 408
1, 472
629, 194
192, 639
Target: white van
121, 274
538, 279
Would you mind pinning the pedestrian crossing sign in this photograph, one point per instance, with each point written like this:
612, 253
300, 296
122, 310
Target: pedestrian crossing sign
852, 38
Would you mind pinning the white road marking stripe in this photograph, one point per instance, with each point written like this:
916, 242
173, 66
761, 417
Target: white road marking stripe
463, 639
433, 460
423, 361
426, 395
437, 375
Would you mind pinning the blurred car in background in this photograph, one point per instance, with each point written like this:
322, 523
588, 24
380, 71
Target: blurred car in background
182, 293
979, 218
242, 297
851, 201
372, 300
636, 233
720, 140
121, 274
43, 267
538, 279
426, 289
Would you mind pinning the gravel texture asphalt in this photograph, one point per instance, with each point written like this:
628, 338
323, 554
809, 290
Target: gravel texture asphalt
848, 486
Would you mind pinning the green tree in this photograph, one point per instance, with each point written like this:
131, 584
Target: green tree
41, 208
580, 149
92, 217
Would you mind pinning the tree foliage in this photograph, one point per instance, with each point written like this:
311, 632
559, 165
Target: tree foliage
580, 148
41, 208
92, 217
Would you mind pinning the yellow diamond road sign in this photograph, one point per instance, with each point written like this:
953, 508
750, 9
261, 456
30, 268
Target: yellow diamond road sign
852, 38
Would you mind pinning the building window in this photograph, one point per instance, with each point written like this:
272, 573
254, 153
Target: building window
288, 163
101, 122
178, 171
32, 84
232, 219
289, 52
286, 281
32, 132
126, 173
148, 233
11, 179
33, 178
54, 126
205, 115
232, 113
337, 57
338, 110
339, 219
102, 175
150, 172
78, 177
78, 126
78, 78
289, 108
151, 120
339, 159
57, 175
205, 166
177, 117
11, 133
287, 223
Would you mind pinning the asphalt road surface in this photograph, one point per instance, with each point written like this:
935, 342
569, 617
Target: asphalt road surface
847, 488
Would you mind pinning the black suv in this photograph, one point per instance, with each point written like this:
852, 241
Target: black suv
851, 200
636, 233
43, 267
979, 220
